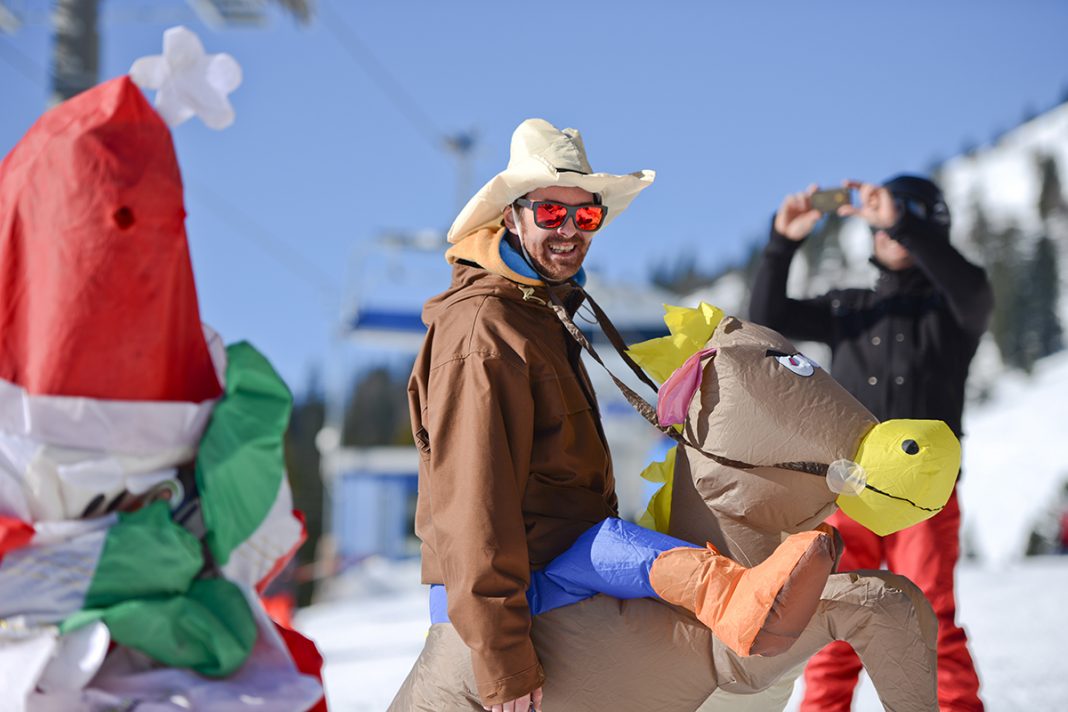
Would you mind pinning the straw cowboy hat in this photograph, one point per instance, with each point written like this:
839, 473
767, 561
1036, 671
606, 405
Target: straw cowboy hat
541, 156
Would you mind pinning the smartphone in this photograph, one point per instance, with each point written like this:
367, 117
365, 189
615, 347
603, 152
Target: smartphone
828, 201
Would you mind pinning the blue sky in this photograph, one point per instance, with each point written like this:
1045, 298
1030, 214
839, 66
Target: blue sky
733, 104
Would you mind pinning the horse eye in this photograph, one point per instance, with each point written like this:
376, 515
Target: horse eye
801, 365
910, 447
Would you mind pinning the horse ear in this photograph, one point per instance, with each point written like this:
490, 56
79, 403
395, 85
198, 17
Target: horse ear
678, 390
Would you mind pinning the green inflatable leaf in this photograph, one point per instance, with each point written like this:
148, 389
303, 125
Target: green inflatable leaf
241, 465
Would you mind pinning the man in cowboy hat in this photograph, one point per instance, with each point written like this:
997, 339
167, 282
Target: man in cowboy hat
903, 349
514, 463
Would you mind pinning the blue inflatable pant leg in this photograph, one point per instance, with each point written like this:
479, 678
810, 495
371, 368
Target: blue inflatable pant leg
612, 557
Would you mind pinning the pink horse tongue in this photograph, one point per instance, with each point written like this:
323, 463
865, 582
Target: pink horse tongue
678, 390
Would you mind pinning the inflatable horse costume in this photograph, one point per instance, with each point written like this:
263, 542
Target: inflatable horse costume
769, 440
143, 497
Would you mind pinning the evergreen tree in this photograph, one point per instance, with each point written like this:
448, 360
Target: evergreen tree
1050, 197
981, 234
305, 480
1004, 271
377, 411
752, 259
1045, 281
824, 243
681, 274
1040, 327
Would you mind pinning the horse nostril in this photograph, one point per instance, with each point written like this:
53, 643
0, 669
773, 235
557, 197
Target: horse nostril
910, 447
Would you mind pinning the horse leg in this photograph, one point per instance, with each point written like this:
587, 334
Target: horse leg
888, 621
441, 680
756, 611
882, 615
771, 699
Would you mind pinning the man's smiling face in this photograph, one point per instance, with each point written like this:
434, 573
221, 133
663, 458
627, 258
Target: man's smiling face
558, 254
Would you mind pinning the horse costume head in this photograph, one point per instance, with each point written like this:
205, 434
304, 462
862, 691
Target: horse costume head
774, 443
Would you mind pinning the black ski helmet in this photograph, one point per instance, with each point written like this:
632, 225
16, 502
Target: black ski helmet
921, 197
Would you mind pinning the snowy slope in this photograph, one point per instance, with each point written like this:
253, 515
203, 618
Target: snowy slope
1015, 460
1004, 177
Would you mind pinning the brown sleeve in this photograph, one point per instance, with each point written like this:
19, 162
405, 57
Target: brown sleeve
481, 430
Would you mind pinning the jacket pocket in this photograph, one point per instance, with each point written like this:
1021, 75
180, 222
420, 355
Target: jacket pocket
422, 441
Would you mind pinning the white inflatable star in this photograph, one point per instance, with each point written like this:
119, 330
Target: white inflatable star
188, 81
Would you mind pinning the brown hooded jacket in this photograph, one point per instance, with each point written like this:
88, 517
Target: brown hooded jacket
514, 465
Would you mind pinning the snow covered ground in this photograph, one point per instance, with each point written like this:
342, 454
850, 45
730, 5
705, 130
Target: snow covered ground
1014, 614
1015, 462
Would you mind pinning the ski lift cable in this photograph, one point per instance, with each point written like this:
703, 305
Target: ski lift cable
22, 63
286, 256
401, 99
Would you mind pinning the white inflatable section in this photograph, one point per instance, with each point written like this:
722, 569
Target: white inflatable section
275, 537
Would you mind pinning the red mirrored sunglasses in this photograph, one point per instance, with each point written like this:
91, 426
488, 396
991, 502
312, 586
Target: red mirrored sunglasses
549, 214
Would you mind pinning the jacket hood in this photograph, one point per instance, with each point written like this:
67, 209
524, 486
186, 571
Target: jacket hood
483, 247
488, 248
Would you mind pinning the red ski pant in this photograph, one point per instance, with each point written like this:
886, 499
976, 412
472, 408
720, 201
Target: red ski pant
927, 554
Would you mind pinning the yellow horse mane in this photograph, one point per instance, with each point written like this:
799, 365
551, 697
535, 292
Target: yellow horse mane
688, 331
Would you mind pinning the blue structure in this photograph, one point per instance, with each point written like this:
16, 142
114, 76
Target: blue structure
372, 509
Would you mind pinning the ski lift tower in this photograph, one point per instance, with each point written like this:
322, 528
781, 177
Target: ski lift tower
371, 490
461, 146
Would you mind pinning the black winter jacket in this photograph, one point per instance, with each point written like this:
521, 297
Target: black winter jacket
903, 348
